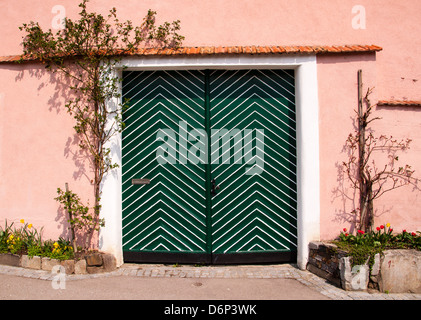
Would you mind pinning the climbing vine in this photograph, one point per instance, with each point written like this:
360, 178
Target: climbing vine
87, 51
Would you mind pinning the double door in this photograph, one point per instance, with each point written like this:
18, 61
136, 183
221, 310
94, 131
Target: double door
209, 166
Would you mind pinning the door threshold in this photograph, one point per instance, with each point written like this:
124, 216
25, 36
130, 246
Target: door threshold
210, 259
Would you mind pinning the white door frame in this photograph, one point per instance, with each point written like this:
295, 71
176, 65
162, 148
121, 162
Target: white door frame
307, 113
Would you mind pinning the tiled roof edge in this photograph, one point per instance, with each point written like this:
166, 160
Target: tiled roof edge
213, 50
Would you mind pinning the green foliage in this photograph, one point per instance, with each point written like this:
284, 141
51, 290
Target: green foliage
17, 240
4, 236
27, 240
87, 52
60, 249
81, 217
35, 250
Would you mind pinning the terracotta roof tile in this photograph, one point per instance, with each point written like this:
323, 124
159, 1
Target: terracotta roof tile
289, 49
209, 50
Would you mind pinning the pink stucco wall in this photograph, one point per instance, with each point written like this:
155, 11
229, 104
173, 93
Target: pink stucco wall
338, 99
38, 150
36, 135
389, 23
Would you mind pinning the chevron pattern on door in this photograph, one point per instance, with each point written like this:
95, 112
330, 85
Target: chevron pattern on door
218, 149
167, 215
254, 212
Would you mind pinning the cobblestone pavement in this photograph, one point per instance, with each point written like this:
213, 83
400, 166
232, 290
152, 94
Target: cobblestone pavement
283, 271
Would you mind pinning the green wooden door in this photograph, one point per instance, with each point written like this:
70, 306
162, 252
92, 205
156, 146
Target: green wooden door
254, 210
209, 170
168, 215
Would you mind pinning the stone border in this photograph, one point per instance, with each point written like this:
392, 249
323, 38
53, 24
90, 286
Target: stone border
327, 261
93, 263
395, 271
324, 260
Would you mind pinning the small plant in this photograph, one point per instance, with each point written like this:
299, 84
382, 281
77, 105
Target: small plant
14, 244
60, 249
35, 250
409, 239
4, 236
80, 218
30, 235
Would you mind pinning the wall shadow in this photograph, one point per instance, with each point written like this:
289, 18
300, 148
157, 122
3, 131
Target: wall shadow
62, 94
347, 195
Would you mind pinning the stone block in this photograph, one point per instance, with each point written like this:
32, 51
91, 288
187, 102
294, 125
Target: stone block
9, 259
324, 274
401, 271
109, 262
94, 260
30, 262
355, 278
80, 267
375, 270
69, 266
47, 264
314, 245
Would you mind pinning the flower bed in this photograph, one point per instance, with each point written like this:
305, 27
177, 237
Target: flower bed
365, 245
91, 263
379, 259
25, 239
23, 247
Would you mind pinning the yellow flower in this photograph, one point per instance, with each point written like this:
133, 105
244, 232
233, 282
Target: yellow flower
388, 225
30, 226
22, 221
56, 245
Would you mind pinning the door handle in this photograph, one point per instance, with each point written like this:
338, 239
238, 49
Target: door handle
214, 188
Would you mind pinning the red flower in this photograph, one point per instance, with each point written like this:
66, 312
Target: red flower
382, 227
344, 229
413, 234
378, 229
403, 231
360, 232
346, 234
